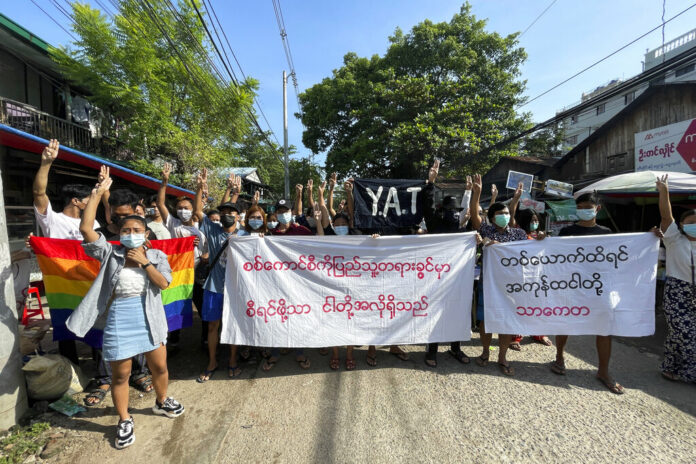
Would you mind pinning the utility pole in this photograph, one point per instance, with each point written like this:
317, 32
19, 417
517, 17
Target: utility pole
285, 135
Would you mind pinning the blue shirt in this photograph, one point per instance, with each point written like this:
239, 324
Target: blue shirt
217, 238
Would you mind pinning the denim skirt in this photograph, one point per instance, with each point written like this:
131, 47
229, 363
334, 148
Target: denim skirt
127, 332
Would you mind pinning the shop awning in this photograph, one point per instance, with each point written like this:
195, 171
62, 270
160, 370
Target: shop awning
20, 140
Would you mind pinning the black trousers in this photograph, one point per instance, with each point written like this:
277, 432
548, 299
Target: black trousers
432, 349
103, 377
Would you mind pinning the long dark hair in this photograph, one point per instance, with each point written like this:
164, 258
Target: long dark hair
525, 218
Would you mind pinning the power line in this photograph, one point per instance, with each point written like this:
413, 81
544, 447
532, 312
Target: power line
537, 18
286, 48
54, 20
605, 58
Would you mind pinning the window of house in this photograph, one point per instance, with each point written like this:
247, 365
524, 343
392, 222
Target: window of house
685, 70
573, 140
574, 119
601, 108
629, 97
616, 163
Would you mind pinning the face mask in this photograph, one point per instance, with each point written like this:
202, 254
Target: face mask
312, 222
586, 214
285, 218
227, 221
184, 214
255, 223
690, 230
133, 240
242, 216
217, 222
273, 224
341, 230
450, 216
534, 226
501, 220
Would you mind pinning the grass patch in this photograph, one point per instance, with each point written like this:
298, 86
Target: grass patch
23, 442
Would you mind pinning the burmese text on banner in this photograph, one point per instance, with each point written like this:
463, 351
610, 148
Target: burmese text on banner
349, 290
591, 285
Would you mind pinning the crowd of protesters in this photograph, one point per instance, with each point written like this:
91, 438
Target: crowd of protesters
127, 290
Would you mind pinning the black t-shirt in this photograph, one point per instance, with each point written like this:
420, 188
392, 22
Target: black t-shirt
576, 229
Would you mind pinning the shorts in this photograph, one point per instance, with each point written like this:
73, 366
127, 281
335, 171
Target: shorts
212, 306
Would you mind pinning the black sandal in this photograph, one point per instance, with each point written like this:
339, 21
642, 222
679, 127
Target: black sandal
459, 356
142, 383
99, 394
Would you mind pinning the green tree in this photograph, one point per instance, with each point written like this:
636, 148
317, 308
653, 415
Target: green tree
445, 90
147, 68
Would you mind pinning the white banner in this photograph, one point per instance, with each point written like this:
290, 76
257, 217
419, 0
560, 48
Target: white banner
590, 285
348, 290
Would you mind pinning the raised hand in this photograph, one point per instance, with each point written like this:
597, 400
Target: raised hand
468, 183
348, 187
310, 185
237, 184
321, 189
317, 215
255, 200
434, 170
231, 181
166, 171
518, 191
50, 152
332, 181
103, 186
662, 184
202, 178
298, 189
494, 190
103, 174
477, 185
341, 205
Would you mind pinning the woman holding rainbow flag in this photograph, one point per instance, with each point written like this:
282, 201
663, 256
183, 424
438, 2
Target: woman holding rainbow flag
128, 291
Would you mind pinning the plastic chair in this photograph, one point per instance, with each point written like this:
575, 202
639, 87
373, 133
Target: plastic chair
29, 312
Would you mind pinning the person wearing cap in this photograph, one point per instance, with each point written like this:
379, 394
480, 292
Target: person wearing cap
285, 225
214, 287
444, 220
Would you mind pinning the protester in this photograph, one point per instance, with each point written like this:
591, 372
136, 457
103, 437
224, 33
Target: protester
271, 222
499, 231
679, 362
444, 221
587, 208
154, 220
62, 225
136, 320
214, 282
214, 216
140, 210
528, 221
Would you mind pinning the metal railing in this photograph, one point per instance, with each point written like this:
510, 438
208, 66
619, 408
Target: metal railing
35, 122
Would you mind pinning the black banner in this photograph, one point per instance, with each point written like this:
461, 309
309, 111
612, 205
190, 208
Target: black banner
381, 203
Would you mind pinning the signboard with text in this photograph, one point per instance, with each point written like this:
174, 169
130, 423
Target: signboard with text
667, 148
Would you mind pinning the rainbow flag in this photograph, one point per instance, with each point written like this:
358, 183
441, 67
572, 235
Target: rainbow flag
68, 273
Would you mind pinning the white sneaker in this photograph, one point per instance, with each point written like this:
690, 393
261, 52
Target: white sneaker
170, 408
125, 434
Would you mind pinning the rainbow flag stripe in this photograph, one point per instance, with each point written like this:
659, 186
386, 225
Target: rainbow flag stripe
68, 273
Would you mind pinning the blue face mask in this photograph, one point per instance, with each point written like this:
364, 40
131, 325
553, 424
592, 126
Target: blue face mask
501, 220
133, 240
255, 223
285, 218
534, 226
586, 214
273, 224
341, 230
689, 229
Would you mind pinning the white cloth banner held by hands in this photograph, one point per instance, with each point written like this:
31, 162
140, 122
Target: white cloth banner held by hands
589, 285
348, 290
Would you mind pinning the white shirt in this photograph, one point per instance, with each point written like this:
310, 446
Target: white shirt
131, 282
160, 230
680, 250
179, 230
59, 225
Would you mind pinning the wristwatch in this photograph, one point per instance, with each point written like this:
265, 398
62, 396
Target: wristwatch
146, 265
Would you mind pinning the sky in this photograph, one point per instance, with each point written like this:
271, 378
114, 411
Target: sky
569, 36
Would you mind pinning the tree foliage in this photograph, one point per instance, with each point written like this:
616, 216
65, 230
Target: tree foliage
445, 90
147, 68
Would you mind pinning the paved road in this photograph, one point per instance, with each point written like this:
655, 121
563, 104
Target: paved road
405, 412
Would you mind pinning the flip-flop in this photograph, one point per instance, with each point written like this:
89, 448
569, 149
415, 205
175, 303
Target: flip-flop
323, 351
515, 346
304, 364
268, 364
616, 388
402, 355
142, 383
232, 369
506, 369
206, 373
459, 356
371, 360
99, 394
335, 364
431, 363
350, 364
558, 369
481, 361
543, 341
670, 376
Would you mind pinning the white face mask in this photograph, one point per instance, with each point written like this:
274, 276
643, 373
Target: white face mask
184, 214
285, 217
272, 224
